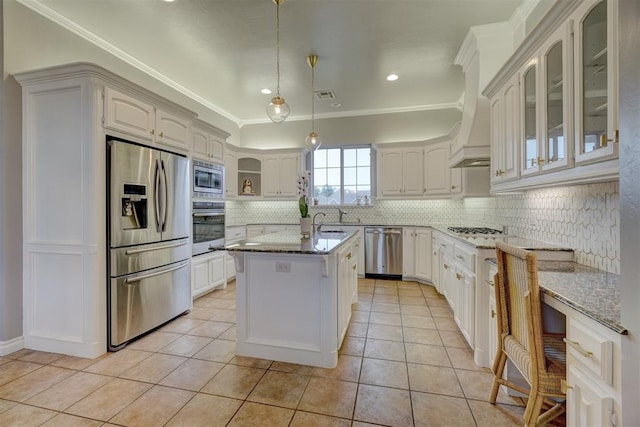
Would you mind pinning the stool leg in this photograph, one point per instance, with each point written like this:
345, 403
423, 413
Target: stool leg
498, 369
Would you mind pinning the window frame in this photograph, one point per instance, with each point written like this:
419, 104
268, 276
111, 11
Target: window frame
372, 170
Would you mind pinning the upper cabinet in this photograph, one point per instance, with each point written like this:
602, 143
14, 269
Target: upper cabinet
505, 131
400, 172
596, 80
423, 171
135, 117
554, 107
207, 142
280, 174
261, 173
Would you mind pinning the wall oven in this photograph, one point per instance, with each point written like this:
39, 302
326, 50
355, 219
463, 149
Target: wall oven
208, 226
208, 180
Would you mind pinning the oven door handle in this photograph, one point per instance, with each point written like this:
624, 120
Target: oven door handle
208, 213
156, 273
156, 248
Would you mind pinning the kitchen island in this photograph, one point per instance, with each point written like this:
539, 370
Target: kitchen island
294, 295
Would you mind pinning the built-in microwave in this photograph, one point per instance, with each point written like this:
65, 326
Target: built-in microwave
208, 180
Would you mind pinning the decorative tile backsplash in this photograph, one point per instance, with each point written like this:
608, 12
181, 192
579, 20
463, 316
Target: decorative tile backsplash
585, 218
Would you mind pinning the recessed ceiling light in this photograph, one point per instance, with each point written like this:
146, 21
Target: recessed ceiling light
169, 1
266, 91
392, 77
336, 104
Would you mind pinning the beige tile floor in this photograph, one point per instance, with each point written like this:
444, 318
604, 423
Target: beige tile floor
403, 363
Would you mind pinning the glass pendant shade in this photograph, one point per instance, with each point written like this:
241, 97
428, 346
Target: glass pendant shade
278, 110
313, 141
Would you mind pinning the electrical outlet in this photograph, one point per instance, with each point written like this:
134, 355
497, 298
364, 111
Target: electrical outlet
283, 267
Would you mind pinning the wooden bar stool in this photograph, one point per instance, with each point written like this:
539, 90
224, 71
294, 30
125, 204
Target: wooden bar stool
540, 358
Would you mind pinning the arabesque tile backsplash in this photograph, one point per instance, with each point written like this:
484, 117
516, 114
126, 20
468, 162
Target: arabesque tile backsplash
585, 218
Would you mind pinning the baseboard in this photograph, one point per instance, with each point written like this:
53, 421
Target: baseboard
11, 346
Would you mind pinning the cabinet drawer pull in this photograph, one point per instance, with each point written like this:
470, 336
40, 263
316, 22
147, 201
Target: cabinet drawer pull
459, 276
161, 134
577, 346
443, 245
349, 255
152, 132
460, 257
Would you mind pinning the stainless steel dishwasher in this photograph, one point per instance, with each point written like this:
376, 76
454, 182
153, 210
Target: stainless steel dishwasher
383, 252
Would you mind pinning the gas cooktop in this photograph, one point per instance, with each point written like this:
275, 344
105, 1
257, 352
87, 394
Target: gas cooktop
474, 230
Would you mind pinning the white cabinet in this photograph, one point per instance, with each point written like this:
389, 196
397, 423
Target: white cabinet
554, 104
492, 334
437, 174
596, 80
464, 312
593, 382
408, 252
280, 175
171, 130
230, 174
208, 143
505, 129
435, 263
347, 286
358, 245
416, 253
545, 101
134, 117
207, 272
400, 172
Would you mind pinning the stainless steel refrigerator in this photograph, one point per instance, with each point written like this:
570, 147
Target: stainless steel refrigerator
148, 234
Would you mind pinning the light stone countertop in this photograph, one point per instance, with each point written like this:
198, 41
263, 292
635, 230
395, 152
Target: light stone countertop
592, 292
290, 242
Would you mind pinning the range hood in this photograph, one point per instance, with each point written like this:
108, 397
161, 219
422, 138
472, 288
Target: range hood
484, 50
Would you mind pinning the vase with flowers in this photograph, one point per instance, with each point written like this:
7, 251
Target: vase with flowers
303, 204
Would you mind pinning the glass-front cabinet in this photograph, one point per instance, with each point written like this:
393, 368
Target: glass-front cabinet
596, 88
530, 151
556, 117
546, 114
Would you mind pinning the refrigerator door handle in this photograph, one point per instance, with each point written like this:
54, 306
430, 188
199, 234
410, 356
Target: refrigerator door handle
156, 248
156, 197
165, 192
140, 277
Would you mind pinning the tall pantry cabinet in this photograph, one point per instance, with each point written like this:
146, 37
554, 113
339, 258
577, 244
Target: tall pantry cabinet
64, 202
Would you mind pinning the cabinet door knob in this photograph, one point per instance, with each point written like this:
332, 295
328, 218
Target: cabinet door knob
161, 134
152, 132
459, 276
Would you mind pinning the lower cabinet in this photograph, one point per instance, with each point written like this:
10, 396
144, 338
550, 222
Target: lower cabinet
416, 253
208, 272
587, 403
492, 333
594, 377
347, 286
464, 312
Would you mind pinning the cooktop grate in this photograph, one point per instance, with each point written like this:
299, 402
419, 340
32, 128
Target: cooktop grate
474, 230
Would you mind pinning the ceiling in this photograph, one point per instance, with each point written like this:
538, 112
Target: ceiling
224, 51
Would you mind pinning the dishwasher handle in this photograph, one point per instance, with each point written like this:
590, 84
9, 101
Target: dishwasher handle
383, 231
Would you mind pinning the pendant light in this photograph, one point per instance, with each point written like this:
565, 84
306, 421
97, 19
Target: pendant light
278, 110
312, 141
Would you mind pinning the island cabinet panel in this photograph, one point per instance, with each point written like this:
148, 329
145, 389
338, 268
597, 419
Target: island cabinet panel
295, 306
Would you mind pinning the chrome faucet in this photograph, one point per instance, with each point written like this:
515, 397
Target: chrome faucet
342, 213
314, 222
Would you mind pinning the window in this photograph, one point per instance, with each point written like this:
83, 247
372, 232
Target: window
341, 175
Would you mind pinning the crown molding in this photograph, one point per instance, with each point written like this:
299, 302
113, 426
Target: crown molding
92, 38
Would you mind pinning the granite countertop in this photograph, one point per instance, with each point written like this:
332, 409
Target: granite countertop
592, 292
290, 242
